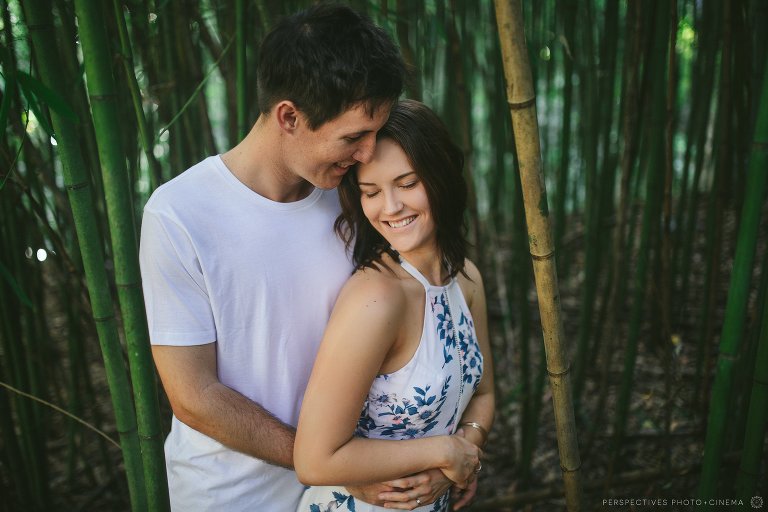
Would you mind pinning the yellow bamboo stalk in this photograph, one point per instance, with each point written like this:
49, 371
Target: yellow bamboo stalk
522, 107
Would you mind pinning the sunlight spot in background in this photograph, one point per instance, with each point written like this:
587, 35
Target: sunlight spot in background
159, 150
53, 141
545, 54
28, 253
152, 17
32, 122
42, 255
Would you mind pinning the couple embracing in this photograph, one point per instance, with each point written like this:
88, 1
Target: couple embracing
316, 325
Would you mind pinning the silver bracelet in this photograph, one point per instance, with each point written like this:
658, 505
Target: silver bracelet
477, 427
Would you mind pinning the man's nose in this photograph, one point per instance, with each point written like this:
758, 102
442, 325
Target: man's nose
364, 152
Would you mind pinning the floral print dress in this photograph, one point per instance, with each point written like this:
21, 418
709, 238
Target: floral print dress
426, 397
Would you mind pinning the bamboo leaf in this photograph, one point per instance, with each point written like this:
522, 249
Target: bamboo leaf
8, 277
47, 96
34, 106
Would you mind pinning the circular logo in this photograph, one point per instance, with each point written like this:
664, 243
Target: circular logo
756, 502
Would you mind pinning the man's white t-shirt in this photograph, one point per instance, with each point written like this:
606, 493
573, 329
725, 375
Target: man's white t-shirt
222, 263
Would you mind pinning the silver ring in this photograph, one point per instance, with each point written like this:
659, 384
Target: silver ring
418, 501
479, 467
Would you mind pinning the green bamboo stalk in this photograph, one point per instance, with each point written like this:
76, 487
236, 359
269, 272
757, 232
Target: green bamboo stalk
654, 166
757, 417
736, 306
101, 89
565, 148
13, 369
403, 18
666, 282
521, 285
145, 132
590, 121
40, 26
521, 100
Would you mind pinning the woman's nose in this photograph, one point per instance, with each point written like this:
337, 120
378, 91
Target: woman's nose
392, 203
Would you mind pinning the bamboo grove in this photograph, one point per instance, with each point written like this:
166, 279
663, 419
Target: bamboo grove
627, 233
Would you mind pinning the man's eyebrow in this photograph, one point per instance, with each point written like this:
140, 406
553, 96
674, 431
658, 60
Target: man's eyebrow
358, 134
396, 179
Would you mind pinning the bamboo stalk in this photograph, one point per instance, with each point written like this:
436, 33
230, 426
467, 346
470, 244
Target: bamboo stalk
654, 167
736, 306
520, 96
76, 181
145, 132
757, 418
101, 89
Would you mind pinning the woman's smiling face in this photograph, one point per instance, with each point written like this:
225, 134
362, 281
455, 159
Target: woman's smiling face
395, 201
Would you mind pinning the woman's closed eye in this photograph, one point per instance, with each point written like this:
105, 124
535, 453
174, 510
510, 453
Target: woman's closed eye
409, 185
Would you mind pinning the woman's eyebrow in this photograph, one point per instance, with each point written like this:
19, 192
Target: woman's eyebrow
396, 179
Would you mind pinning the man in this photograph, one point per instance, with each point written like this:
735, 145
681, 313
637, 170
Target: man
241, 267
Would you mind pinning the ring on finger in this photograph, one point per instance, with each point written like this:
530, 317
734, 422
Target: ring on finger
418, 501
479, 467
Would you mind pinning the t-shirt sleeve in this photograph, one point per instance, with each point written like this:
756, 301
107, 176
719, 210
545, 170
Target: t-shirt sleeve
175, 294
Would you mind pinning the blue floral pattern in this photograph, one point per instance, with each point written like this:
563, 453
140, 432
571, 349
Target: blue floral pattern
426, 396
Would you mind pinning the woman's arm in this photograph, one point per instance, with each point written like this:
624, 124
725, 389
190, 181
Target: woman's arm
364, 327
480, 410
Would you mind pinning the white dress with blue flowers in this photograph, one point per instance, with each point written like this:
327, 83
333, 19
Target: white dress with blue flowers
426, 397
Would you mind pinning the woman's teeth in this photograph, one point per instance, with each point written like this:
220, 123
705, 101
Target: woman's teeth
401, 223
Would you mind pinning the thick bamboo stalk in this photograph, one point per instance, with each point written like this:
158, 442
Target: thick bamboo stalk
76, 181
736, 306
101, 89
521, 99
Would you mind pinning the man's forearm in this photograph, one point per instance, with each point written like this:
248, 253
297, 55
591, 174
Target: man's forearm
241, 424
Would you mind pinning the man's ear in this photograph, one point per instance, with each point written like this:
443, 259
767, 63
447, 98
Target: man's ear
287, 115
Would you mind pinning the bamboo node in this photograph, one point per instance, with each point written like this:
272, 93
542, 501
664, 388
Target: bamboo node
543, 257
102, 97
574, 470
99, 319
559, 374
77, 186
128, 286
521, 104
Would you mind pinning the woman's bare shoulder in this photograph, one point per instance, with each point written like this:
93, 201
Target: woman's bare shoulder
376, 288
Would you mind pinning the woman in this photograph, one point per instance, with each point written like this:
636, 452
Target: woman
407, 340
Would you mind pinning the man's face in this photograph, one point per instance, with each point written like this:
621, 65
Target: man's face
323, 156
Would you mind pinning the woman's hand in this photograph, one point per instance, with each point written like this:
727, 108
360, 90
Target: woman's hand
426, 486
463, 459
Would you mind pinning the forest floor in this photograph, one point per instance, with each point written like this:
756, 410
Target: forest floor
656, 469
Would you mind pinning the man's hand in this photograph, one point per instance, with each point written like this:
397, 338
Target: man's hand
370, 493
463, 497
